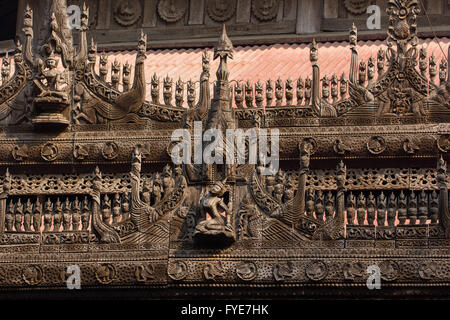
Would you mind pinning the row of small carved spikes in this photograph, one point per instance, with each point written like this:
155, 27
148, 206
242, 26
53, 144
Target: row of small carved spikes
376, 208
431, 64
31, 215
402, 207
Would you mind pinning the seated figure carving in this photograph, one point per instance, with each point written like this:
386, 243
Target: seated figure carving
216, 225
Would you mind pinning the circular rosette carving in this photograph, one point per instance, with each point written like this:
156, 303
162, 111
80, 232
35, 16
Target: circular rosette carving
127, 12
265, 10
32, 275
80, 152
316, 270
177, 270
144, 273
172, 10
110, 150
105, 273
356, 6
246, 271
376, 145
221, 10
443, 143
49, 152
212, 271
389, 270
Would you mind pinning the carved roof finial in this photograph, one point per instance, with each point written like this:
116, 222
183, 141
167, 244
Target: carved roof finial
314, 51
223, 50
353, 35
142, 42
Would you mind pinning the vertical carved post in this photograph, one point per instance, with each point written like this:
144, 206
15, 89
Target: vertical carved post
300, 91
155, 89
3, 197
380, 63
239, 94
28, 30
313, 57
289, 92
82, 54
442, 72
279, 92
433, 69
269, 92
299, 200
341, 172
126, 71
167, 90
354, 59
370, 72
179, 88
259, 98
191, 93
248, 94
105, 232
443, 196
362, 73
343, 87
325, 88
423, 61
307, 91
115, 74
103, 69
334, 88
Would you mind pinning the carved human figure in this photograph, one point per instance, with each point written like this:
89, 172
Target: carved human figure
213, 204
56, 82
391, 210
371, 209
180, 179
18, 217
9, 217
157, 188
146, 191
67, 216
85, 213
329, 206
76, 216
37, 211
308, 91
48, 215
412, 208
309, 205
351, 208
279, 186
106, 210
381, 209
300, 91
27, 216
168, 182
361, 211
270, 184
402, 208
269, 92
434, 207
57, 217
125, 207
423, 207
289, 191
319, 208
116, 208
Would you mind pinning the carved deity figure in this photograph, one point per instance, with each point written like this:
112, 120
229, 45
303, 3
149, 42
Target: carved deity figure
85, 214
48, 215
37, 216
167, 181
309, 205
27, 216
9, 217
361, 209
76, 216
371, 209
18, 218
57, 217
402, 208
319, 208
391, 210
351, 208
157, 188
218, 226
66, 215
56, 85
279, 186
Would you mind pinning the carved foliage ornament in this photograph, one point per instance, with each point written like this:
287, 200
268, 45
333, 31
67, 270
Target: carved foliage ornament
127, 12
172, 10
265, 10
221, 10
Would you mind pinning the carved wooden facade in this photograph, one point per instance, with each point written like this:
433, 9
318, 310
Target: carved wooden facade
87, 177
